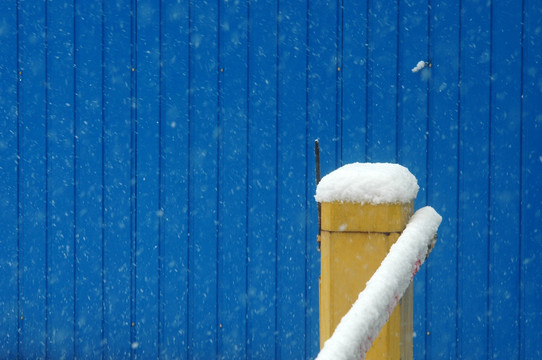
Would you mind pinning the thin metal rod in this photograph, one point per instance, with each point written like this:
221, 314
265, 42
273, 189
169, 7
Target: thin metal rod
318, 177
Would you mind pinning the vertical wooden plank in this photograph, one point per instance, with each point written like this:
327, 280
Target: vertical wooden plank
312, 258
474, 120
324, 67
8, 180
354, 81
442, 179
32, 179
505, 178
232, 210
89, 181
117, 180
412, 117
148, 211
174, 181
204, 133
292, 160
61, 177
324, 87
412, 91
312, 261
382, 81
262, 181
133, 177
531, 197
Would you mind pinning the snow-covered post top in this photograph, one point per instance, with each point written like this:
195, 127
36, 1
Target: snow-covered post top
367, 197
364, 209
372, 183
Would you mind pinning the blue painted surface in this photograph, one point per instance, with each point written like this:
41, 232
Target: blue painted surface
89, 181
61, 202
531, 236
474, 137
203, 175
158, 177
442, 180
32, 181
118, 188
262, 336
9, 280
174, 182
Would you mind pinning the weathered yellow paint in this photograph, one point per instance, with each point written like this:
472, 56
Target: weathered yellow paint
355, 238
407, 322
347, 216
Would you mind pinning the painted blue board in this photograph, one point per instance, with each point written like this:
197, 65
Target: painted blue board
133, 177
442, 183
354, 81
203, 202
324, 101
412, 93
531, 196
89, 306
262, 180
8, 181
382, 81
190, 288
147, 180
505, 192
174, 181
412, 118
323, 83
312, 261
32, 180
232, 173
474, 150
292, 160
60, 181
117, 180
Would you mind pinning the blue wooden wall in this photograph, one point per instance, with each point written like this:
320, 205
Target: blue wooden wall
157, 173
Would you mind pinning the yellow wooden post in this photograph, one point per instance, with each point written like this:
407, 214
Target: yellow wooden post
355, 238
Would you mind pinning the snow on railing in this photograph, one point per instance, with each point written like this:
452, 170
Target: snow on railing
360, 326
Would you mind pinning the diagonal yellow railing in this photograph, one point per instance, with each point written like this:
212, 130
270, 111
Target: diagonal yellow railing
358, 329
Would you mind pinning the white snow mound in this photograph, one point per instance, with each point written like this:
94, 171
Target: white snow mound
374, 183
420, 65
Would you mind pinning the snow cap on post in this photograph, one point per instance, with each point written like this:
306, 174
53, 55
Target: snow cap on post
368, 183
